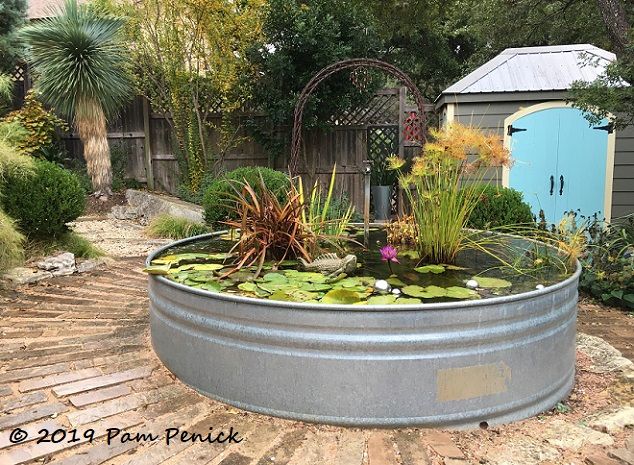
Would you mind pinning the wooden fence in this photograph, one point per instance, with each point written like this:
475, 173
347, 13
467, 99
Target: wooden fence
370, 132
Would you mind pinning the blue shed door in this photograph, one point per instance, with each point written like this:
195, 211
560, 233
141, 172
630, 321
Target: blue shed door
560, 163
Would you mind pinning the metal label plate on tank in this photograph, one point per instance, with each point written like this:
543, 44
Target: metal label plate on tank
472, 381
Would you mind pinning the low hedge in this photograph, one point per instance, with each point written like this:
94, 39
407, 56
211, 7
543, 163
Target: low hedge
216, 196
44, 201
499, 207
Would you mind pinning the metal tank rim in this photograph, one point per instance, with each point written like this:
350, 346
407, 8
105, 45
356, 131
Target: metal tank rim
339, 307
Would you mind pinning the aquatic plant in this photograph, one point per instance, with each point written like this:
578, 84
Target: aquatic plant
439, 199
269, 228
317, 213
389, 254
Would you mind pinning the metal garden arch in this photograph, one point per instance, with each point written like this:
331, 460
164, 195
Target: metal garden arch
341, 66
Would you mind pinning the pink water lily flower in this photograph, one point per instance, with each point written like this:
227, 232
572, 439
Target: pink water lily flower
389, 253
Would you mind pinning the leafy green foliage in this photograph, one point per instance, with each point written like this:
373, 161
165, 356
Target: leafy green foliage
498, 207
608, 267
12, 17
40, 124
11, 242
44, 201
216, 200
608, 97
172, 227
191, 58
299, 39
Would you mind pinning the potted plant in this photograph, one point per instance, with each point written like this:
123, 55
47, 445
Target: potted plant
382, 180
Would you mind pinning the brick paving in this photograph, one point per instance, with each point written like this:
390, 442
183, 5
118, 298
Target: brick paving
76, 357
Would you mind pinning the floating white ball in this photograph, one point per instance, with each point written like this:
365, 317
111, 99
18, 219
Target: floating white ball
381, 285
396, 291
472, 284
539, 287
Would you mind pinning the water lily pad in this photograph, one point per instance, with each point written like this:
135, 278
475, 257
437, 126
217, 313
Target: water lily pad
275, 278
382, 299
395, 281
457, 292
492, 283
306, 286
293, 296
429, 292
220, 256
207, 267
274, 287
414, 255
436, 269
308, 276
202, 276
211, 286
157, 269
407, 301
414, 291
181, 268
454, 267
340, 296
248, 287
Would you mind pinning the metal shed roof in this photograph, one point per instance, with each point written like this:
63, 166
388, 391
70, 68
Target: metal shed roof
530, 69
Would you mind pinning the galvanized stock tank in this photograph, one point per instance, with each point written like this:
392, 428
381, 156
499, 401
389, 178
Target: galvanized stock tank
458, 364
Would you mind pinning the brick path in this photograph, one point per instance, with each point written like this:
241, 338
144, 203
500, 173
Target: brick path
76, 355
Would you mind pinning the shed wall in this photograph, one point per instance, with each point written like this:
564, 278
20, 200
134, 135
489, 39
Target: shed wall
490, 116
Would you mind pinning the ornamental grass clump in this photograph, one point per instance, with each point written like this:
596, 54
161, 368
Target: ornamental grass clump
440, 200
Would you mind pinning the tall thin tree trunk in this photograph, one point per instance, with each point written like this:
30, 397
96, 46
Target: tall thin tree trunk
90, 122
616, 22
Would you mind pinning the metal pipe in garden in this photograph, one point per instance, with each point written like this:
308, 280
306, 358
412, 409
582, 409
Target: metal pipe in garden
367, 169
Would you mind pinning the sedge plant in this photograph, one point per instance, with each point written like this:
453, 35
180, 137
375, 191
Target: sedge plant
318, 214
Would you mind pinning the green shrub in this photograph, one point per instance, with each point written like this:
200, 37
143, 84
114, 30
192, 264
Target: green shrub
172, 227
608, 267
43, 202
499, 207
217, 195
11, 241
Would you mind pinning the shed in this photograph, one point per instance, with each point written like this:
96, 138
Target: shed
562, 163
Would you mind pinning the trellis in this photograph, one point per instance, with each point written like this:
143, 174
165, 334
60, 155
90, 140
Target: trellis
416, 126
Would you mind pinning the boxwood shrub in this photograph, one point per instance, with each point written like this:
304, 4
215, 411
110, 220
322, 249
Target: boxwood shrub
44, 201
499, 207
216, 196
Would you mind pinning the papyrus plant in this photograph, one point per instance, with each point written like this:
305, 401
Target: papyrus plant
440, 188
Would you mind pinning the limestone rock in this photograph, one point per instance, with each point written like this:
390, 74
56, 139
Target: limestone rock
615, 421
605, 358
59, 265
22, 275
567, 435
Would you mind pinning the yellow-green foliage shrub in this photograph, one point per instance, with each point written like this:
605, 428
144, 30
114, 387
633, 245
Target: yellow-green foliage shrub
11, 243
40, 125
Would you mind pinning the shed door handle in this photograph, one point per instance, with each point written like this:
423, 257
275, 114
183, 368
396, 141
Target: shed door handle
561, 184
552, 184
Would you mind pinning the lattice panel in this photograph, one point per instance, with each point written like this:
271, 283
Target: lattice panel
381, 109
382, 142
412, 131
19, 74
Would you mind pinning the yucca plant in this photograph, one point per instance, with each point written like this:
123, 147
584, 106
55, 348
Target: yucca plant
269, 228
82, 70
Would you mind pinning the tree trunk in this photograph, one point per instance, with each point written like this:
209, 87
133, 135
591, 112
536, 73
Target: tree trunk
90, 122
616, 22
